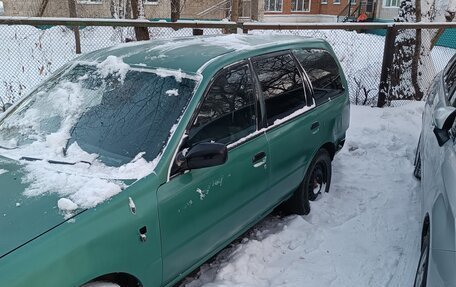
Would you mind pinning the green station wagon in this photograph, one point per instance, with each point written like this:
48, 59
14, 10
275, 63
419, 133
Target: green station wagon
133, 165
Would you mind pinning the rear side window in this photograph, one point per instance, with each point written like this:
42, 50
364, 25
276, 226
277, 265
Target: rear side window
281, 85
228, 113
323, 73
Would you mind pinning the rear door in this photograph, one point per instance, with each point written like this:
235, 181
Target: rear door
292, 131
201, 210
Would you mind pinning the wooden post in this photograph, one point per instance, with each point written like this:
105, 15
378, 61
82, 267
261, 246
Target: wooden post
74, 14
234, 10
142, 33
388, 52
254, 10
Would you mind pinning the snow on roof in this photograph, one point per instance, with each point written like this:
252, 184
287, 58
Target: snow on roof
190, 54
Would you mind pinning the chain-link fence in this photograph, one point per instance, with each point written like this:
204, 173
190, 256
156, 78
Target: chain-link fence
361, 51
32, 53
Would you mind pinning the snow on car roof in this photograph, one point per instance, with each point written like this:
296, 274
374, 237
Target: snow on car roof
190, 54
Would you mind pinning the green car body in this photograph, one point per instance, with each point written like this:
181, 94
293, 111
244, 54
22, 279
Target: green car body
164, 225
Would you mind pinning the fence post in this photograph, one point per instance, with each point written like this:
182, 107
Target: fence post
388, 54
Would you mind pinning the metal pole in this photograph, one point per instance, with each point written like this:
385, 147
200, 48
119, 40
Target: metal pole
388, 52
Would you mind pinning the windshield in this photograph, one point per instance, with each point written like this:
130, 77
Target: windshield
116, 116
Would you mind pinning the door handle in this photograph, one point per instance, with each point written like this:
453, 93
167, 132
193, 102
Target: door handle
315, 127
259, 159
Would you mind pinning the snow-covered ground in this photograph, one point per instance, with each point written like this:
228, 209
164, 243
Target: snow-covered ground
364, 232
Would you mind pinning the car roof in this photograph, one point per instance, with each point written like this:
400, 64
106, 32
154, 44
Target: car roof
192, 54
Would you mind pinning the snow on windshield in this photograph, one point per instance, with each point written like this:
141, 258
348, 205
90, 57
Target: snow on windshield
85, 131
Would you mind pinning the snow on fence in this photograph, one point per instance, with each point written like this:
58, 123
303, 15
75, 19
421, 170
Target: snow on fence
33, 48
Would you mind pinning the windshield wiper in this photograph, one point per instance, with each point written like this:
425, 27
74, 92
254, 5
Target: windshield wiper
7, 148
54, 161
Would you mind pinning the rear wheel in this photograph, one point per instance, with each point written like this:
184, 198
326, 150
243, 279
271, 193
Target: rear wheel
316, 181
318, 178
422, 269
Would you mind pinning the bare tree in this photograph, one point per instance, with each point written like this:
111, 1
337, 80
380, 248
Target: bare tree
142, 33
175, 10
234, 10
73, 14
43, 6
413, 68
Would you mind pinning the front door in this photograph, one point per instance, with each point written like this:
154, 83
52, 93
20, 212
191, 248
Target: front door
201, 210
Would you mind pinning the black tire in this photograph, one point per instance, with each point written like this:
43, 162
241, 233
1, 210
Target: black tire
423, 264
318, 176
417, 169
299, 203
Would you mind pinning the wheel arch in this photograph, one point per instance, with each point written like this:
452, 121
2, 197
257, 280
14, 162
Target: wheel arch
121, 278
330, 148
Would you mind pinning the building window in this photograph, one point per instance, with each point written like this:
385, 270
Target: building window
90, 1
324, 1
273, 5
300, 5
353, 2
336, 2
392, 3
152, 2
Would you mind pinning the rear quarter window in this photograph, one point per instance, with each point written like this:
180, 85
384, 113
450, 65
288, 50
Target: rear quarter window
323, 73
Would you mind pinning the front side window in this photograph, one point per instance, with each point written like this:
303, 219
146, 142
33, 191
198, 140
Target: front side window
273, 5
281, 85
323, 73
300, 5
228, 113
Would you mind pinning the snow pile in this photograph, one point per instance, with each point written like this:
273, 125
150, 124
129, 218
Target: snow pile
113, 66
173, 92
2, 171
364, 232
178, 75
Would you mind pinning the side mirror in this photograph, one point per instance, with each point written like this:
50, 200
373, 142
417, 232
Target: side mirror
202, 155
443, 121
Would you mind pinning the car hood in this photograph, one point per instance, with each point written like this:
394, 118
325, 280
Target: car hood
22, 218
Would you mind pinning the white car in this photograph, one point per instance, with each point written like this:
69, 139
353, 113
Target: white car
435, 165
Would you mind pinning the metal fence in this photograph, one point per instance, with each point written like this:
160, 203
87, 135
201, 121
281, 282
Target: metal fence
33, 48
